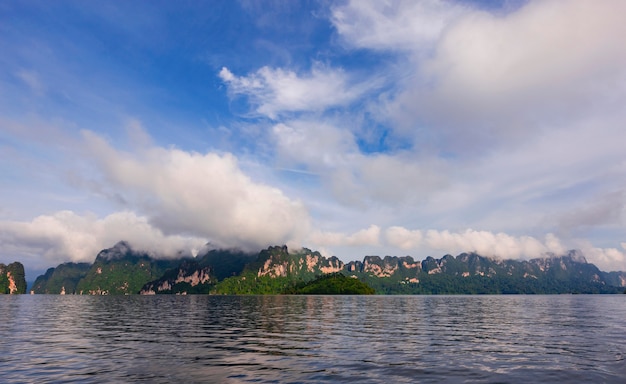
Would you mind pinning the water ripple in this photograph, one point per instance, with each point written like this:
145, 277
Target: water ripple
295, 339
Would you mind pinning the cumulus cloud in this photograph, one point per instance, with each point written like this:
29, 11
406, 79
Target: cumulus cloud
484, 243
276, 91
67, 236
203, 195
403, 238
607, 259
492, 244
493, 78
505, 246
500, 245
368, 236
547, 51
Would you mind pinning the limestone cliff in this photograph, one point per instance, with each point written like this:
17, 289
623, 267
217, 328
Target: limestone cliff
189, 277
12, 279
303, 263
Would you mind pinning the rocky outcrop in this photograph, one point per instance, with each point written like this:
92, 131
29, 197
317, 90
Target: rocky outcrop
389, 266
280, 262
12, 279
189, 277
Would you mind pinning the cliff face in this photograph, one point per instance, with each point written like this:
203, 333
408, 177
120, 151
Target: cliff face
199, 275
189, 277
304, 263
12, 279
122, 270
61, 280
472, 273
403, 267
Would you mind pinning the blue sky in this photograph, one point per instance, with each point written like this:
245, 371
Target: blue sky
353, 128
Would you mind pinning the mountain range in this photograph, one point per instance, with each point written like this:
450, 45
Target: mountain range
275, 270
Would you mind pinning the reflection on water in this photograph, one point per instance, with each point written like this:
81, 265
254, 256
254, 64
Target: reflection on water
312, 338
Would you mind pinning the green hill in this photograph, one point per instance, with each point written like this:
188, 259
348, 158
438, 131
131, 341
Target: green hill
62, 279
333, 284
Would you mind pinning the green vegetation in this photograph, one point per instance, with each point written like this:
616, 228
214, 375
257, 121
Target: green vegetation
188, 277
122, 276
225, 263
63, 278
447, 284
12, 278
250, 284
199, 275
120, 270
332, 284
275, 270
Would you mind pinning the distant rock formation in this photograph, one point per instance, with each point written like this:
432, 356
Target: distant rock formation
122, 270
61, 280
12, 279
188, 277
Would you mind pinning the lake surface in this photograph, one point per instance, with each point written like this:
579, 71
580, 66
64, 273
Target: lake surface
291, 339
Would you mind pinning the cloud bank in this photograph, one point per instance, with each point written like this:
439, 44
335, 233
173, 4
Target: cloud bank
67, 236
203, 195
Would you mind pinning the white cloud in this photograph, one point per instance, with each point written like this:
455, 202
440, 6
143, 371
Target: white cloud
607, 259
403, 25
353, 177
493, 78
403, 238
546, 51
67, 236
369, 236
204, 195
313, 143
500, 245
276, 91
491, 244
508, 78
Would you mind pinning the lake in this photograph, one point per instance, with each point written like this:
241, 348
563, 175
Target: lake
300, 339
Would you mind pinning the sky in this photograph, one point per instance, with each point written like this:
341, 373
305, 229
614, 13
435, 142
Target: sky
349, 127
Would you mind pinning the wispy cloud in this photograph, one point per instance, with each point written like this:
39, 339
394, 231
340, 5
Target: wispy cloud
32, 80
274, 91
394, 25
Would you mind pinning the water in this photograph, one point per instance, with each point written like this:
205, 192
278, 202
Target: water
289, 339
